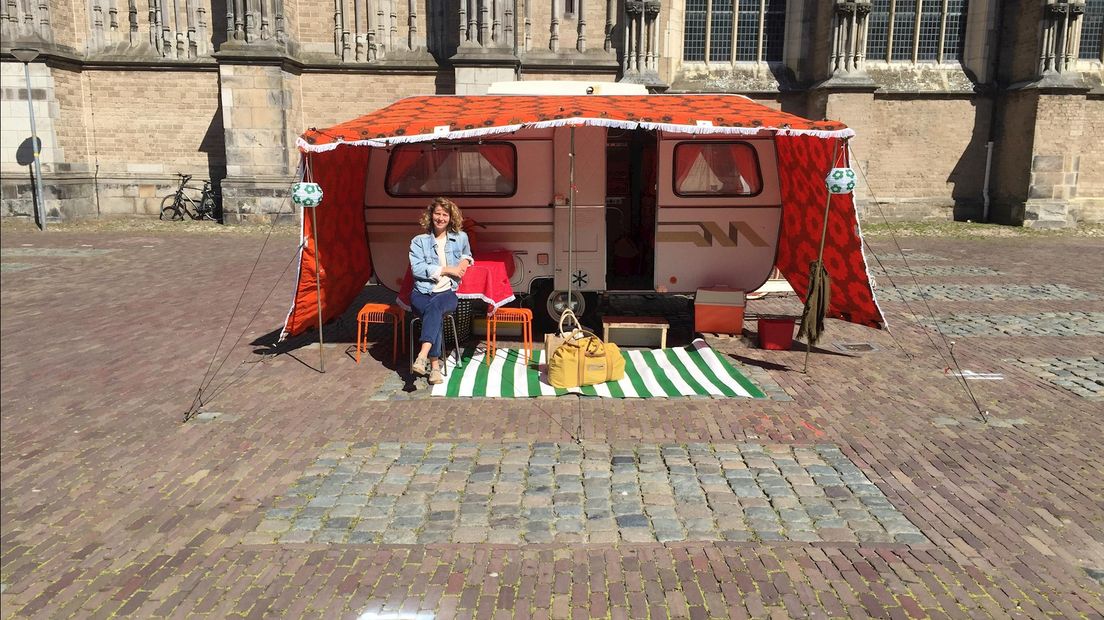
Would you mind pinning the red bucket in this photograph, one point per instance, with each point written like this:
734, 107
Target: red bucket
776, 333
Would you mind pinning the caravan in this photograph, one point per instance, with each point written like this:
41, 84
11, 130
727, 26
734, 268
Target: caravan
586, 194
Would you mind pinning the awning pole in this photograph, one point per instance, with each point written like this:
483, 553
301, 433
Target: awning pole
818, 266
308, 175
571, 221
318, 286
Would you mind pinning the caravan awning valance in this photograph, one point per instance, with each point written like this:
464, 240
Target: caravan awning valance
455, 117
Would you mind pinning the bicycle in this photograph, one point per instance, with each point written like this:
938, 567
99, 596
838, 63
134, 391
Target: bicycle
176, 206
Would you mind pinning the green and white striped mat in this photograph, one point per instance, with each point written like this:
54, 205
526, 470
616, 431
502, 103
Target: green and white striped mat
657, 373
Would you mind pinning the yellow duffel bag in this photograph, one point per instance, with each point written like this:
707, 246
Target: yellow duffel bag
583, 359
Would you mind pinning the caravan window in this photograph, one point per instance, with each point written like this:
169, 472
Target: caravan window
488, 169
716, 169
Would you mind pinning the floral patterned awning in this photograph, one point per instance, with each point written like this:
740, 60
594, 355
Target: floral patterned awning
452, 117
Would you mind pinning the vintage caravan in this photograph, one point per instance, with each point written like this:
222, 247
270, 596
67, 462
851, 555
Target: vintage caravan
584, 193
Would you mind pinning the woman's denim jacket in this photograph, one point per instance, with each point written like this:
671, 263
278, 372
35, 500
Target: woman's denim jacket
425, 265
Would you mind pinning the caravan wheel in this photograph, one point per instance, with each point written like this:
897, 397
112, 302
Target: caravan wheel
548, 305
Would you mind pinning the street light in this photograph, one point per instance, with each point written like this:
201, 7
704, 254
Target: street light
27, 56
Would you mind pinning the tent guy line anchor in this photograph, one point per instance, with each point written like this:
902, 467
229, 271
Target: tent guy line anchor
984, 413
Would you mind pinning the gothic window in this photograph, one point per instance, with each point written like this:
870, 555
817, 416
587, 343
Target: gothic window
734, 30
916, 30
1092, 31
569, 8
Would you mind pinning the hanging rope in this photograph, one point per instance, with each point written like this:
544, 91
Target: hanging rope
209, 375
949, 344
893, 285
209, 394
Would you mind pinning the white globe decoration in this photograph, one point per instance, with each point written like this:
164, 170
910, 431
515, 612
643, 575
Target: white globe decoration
306, 194
840, 180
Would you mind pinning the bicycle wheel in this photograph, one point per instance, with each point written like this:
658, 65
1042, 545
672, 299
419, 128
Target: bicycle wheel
170, 210
189, 206
207, 208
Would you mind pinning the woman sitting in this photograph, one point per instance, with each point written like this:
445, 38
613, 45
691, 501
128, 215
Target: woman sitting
438, 259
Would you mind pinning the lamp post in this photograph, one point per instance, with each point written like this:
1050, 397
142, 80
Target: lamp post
27, 56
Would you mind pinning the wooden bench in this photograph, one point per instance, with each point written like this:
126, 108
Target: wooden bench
635, 331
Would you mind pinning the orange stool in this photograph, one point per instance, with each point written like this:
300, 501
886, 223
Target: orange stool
379, 313
524, 316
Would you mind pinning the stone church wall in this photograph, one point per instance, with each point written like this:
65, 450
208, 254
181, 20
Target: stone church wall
123, 103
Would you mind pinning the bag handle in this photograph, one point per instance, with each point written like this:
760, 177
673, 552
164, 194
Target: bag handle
586, 340
595, 346
574, 319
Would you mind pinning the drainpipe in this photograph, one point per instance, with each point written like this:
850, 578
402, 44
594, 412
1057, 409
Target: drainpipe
985, 186
993, 112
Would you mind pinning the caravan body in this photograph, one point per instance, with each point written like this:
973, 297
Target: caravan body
651, 211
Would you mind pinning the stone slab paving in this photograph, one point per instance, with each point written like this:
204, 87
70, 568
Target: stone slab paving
1083, 376
907, 256
1057, 324
588, 492
983, 292
53, 252
899, 271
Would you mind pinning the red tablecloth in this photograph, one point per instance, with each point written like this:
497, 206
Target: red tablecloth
486, 280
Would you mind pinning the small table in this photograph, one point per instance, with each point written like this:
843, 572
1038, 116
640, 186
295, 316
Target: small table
635, 331
486, 280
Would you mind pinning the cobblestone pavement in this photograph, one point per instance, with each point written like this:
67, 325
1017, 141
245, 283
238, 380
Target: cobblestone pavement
984, 292
903, 271
1083, 376
110, 506
594, 492
1058, 324
894, 255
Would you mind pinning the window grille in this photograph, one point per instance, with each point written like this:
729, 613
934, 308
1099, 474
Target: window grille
720, 31
916, 30
747, 30
693, 44
1092, 31
734, 30
903, 30
954, 29
774, 29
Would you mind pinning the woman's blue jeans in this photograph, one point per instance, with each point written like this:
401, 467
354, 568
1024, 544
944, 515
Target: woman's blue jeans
432, 308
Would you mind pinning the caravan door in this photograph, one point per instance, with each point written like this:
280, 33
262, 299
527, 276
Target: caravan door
585, 270
719, 213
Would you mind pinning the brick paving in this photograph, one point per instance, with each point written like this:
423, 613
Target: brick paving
110, 506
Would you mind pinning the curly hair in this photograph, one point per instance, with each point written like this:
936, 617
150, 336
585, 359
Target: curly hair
456, 219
